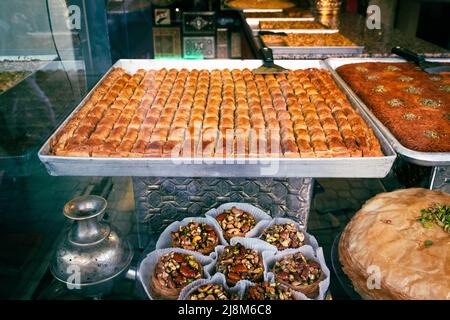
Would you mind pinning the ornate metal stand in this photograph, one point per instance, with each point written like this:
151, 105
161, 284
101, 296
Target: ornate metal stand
160, 201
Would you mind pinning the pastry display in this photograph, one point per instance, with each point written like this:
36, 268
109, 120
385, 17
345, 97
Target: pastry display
235, 223
10, 79
245, 259
287, 13
260, 4
283, 236
199, 237
299, 273
268, 291
307, 40
212, 292
403, 237
172, 273
217, 113
240, 263
411, 103
290, 25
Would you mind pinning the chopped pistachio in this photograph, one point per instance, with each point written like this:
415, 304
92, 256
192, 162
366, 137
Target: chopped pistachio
427, 243
445, 87
393, 68
395, 102
362, 69
430, 134
372, 77
414, 90
405, 78
379, 88
438, 214
430, 103
409, 116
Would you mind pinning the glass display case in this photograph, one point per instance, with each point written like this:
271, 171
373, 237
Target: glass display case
58, 60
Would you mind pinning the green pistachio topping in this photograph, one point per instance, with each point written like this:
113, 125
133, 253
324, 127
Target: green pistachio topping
414, 90
379, 88
430, 134
362, 69
409, 116
372, 77
430, 103
438, 214
395, 102
393, 68
445, 87
405, 78
427, 243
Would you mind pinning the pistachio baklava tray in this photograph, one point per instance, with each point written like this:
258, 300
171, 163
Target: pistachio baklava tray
351, 160
417, 157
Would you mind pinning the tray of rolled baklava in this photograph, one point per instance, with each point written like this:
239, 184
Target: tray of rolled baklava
235, 252
191, 119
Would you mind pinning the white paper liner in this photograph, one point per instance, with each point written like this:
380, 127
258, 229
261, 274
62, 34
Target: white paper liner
269, 260
295, 294
165, 239
218, 278
259, 229
250, 243
257, 213
148, 265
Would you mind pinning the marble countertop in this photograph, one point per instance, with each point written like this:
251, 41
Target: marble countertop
377, 43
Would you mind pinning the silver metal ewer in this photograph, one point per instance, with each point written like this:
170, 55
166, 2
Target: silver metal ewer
91, 256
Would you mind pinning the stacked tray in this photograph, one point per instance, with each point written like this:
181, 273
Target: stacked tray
272, 240
254, 24
237, 167
417, 157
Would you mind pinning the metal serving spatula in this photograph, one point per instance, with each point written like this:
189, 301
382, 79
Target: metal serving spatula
268, 66
427, 66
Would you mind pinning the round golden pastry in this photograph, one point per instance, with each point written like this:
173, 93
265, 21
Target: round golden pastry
385, 235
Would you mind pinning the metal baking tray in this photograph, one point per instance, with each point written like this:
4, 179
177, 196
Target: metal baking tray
254, 22
259, 10
285, 50
256, 31
371, 167
417, 157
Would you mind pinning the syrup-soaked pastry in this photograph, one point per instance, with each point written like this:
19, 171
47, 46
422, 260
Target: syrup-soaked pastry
411, 103
273, 24
257, 4
217, 113
307, 40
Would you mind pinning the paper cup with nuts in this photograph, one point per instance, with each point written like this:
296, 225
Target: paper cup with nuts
270, 290
199, 234
215, 288
242, 260
302, 270
164, 273
237, 219
283, 233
